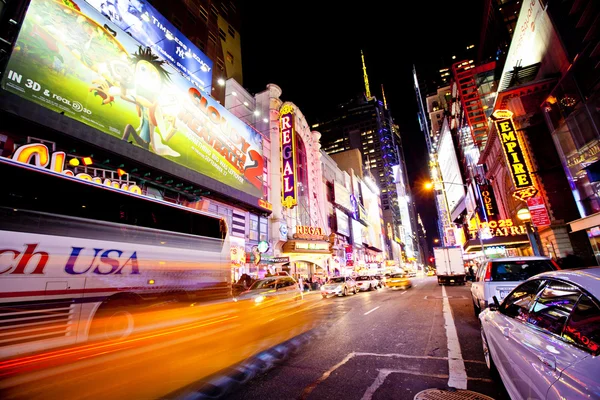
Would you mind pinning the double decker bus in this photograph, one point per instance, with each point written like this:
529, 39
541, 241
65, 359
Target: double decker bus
79, 259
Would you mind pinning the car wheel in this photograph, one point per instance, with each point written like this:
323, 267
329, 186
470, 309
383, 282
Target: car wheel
355, 290
476, 309
345, 291
487, 355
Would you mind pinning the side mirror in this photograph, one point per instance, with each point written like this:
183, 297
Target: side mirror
496, 305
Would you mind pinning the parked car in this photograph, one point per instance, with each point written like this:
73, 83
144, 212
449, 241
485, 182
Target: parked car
381, 279
398, 281
263, 289
366, 282
544, 338
498, 276
339, 286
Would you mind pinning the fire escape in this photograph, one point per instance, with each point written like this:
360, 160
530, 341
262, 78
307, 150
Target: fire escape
465, 73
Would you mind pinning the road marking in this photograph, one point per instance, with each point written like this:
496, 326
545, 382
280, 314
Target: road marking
384, 373
325, 375
369, 312
458, 373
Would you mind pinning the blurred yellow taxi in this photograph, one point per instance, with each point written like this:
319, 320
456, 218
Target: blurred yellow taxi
398, 281
430, 272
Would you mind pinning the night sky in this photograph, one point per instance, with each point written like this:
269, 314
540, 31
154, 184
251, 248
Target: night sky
311, 49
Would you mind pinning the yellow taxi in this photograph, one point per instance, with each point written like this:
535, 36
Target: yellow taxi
398, 281
430, 272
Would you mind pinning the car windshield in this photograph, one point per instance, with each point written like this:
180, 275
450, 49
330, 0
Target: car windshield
362, 278
397, 276
264, 284
337, 280
519, 270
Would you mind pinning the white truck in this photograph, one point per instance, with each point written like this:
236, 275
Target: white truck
449, 265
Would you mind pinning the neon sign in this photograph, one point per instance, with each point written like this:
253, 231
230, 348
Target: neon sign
289, 196
514, 152
489, 202
40, 155
503, 227
310, 232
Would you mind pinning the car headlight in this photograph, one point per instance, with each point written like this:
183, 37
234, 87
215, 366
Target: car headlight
259, 299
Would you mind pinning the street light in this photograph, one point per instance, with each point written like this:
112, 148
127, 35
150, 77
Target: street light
436, 240
524, 215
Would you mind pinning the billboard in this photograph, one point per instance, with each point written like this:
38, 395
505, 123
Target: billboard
146, 25
450, 170
534, 40
70, 59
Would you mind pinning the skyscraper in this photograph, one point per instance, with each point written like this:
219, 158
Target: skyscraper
365, 123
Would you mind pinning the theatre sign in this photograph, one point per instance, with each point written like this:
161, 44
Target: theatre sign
515, 153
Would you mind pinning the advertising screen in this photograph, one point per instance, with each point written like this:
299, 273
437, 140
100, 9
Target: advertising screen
450, 170
343, 222
342, 196
146, 25
70, 59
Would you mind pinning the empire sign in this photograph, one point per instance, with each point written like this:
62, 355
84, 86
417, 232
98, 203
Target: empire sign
515, 155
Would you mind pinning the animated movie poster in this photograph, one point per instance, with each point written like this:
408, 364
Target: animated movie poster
70, 59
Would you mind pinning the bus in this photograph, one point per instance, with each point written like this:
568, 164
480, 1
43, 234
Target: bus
79, 259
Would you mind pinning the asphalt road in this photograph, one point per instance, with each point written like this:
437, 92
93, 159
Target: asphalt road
384, 345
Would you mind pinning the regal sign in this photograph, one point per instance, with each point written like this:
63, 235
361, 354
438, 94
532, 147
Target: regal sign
310, 232
289, 195
515, 155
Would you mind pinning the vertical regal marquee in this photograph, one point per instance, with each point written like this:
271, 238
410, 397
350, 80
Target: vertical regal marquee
514, 150
289, 195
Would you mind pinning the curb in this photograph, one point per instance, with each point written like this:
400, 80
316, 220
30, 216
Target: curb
218, 386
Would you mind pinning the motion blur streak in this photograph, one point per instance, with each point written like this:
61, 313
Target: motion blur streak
172, 349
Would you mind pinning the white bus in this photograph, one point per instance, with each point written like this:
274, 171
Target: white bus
78, 259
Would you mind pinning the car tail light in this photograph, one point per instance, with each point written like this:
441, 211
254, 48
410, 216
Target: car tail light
488, 273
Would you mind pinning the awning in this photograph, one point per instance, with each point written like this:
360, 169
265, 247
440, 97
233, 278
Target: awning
585, 223
507, 241
306, 246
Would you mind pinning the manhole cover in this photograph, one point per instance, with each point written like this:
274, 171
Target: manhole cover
440, 394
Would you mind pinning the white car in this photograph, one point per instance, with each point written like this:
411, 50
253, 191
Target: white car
366, 282
339, 286
544, 338
266, 288
498, 276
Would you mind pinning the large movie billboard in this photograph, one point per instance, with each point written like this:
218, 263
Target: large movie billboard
70, 59
151, 29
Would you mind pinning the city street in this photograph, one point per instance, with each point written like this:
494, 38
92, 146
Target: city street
384, 345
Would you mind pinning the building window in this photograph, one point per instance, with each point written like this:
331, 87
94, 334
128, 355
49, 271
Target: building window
200, 44
224, 9
258, 228
212, 37
176, 22
192, 18
220, 64
204, 14
231, 31
229, 58
266, 179
222, 34
214, 11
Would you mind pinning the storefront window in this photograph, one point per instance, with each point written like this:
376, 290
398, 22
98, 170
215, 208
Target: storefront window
258, 228
576, 136
594, 236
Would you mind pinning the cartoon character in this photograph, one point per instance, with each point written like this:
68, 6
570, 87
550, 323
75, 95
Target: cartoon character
143, 87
